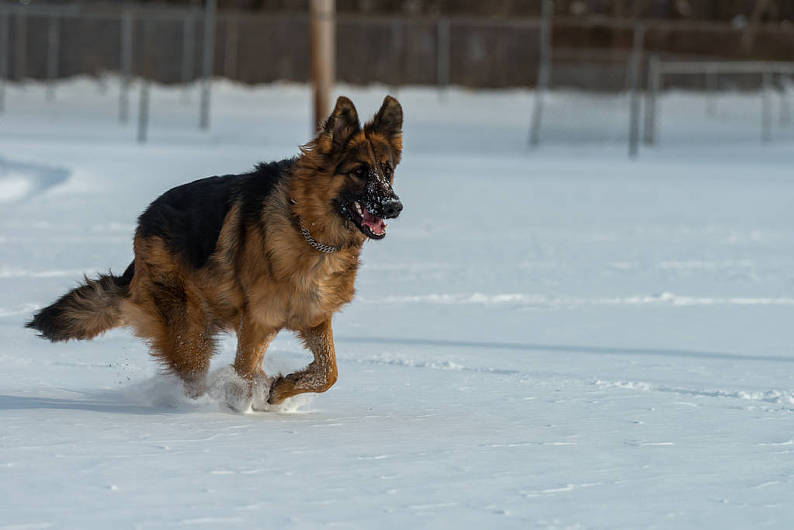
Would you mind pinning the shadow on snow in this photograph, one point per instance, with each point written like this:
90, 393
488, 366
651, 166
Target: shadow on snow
588, 350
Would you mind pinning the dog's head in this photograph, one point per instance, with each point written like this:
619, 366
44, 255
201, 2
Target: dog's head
360, 163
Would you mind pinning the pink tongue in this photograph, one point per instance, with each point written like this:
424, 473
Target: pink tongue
375, 224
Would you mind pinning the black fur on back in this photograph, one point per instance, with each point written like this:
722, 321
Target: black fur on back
189, 218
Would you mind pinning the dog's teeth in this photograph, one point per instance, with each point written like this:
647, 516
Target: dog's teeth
358, 207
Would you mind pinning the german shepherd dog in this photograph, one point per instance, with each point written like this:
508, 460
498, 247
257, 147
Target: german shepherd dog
276, 248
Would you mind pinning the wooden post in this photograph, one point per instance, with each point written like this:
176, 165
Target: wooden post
442, 56
634, 77
53, 52
143, 111
148, 73
230, 52
785, 108
711, 91
188, 49
750, 30
127, 29
544, 70
3, 56
651, 97
766, 107
397, 53
21, 45
208, 62
323, 51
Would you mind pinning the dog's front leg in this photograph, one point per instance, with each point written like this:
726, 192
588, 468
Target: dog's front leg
253, 338
319, 376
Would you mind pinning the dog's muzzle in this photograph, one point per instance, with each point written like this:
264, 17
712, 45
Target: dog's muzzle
391, 208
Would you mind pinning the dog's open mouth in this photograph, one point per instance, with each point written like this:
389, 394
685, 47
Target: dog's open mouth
370, 225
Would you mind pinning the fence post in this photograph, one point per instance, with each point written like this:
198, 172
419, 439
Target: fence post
396, 53
442, 55
3, 56
544, 70
188, 50
634, 76
127, 29
651, 95
53, 53
148, 72
208, 62
21, 45
323, 54
143, 110
230, 53
785, 107
711, 90
766, 107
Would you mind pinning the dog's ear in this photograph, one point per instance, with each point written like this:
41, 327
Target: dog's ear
389, 122
339, 127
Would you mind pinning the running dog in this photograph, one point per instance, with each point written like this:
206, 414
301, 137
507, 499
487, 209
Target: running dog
276, 248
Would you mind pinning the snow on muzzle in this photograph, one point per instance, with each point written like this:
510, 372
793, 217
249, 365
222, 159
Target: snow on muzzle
373, 218
379, 203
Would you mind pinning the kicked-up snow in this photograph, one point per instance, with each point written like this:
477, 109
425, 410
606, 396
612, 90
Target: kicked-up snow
550, 339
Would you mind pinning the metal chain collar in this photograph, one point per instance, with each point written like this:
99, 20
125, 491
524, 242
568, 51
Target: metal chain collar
316, 245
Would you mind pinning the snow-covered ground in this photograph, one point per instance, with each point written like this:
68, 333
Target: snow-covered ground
550, 339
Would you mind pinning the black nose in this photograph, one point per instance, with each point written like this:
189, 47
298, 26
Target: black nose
392, 208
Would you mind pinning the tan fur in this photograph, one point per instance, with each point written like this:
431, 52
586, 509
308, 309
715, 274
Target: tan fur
262, 283
92, 309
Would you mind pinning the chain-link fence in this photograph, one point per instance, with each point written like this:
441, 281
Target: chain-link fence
596, 65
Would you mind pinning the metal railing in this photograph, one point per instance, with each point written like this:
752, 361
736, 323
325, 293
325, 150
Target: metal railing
126, 15
658, 70
443, 38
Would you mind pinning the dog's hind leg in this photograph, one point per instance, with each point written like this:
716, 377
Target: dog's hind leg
187, 354
186, 347
179, 333
166, 308
319, 376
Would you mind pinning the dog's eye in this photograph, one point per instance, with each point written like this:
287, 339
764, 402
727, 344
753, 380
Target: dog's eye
360, 172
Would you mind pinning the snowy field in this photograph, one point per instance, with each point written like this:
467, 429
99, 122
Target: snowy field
555, 339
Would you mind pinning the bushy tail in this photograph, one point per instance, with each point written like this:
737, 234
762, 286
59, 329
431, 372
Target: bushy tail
85, 312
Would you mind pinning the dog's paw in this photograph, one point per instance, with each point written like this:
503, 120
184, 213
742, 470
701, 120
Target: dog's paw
236, 396
229, 388
260, 392
276, 394
196, 388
